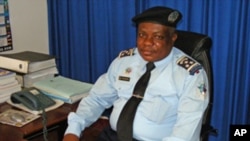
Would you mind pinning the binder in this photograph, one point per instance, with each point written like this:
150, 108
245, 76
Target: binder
26, 61
27, 80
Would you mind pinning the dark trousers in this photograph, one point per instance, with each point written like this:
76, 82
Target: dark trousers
109, 135
92, 133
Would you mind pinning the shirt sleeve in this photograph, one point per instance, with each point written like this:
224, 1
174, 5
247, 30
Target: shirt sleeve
193, 102
101, 96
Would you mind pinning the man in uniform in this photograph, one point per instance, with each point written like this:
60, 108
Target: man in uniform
175, 97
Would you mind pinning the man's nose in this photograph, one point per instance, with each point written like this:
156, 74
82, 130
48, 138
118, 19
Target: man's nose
149, 41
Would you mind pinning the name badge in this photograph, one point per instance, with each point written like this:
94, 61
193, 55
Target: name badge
123, 78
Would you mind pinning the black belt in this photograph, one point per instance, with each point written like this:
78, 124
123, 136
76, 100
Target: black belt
109, 134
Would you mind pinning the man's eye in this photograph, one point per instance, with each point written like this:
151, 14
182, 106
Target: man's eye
159, 37
140, 35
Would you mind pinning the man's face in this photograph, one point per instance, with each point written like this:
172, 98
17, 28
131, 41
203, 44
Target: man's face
154, 41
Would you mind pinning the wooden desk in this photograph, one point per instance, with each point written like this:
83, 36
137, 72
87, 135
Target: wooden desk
56, 125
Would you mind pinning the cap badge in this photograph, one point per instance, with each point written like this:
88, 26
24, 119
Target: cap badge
173, 16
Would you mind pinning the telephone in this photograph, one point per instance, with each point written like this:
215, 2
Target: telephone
32, 98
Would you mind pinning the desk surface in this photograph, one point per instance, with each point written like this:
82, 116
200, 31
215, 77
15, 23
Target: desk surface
54, 117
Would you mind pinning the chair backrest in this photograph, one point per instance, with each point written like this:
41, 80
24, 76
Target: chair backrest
198, 46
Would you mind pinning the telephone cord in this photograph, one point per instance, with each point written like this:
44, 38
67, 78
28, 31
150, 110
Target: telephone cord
44, 120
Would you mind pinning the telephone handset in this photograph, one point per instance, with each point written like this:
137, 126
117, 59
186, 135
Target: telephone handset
32, 98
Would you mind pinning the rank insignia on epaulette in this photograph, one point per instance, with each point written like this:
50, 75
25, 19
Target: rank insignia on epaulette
189, 64
129, 52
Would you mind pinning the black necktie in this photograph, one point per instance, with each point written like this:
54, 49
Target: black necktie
126, 118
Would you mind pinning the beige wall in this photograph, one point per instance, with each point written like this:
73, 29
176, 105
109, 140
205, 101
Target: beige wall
29, 25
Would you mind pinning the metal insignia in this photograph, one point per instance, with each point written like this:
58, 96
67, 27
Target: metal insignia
129, 52
128, 70
202, 88
173, 16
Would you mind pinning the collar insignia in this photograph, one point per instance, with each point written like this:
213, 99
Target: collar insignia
129, 52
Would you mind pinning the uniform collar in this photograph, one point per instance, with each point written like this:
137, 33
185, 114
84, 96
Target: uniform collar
164, 62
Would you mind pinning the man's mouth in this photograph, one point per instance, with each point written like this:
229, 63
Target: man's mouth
146, 52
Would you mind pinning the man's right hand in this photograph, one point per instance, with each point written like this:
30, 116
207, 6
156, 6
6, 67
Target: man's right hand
70, 137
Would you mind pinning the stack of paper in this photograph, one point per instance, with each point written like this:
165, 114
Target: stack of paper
8, 84
63, 88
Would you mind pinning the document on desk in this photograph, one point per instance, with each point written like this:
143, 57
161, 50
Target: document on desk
17, 118
63, 88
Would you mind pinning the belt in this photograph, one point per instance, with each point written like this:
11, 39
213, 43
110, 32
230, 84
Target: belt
109, 134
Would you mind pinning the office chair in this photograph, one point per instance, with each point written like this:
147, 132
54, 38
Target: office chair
198, 46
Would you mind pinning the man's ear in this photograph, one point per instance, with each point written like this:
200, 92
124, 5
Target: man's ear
174, 37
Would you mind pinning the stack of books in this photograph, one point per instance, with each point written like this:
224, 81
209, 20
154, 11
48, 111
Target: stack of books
29, 66
64, 88
8, 84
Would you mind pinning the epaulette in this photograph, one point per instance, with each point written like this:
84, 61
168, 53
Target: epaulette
129, 52
189, 64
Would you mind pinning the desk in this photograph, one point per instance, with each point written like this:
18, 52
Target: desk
56, 125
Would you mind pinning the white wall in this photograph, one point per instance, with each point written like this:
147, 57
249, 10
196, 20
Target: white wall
29, 25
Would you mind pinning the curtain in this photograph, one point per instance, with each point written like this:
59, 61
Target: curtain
86, 35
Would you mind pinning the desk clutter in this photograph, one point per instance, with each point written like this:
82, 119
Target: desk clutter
16, 117
32, 77
20, 70
33, 101
27, 61
31, 86
63, 88
28, 79
8, 84
29, 66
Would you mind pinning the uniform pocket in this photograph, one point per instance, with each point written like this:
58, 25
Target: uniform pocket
124, 88
159, 104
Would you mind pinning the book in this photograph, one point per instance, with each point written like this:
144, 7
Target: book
27, 80
26, 61
7, 80
6, 77
63, 88
8, 84
5, 93
4, 74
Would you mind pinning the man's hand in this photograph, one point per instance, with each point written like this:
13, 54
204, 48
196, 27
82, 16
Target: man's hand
70, 137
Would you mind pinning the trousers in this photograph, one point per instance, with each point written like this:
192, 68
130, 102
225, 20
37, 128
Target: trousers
109, 135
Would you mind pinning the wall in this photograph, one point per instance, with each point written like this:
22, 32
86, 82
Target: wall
29, 25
